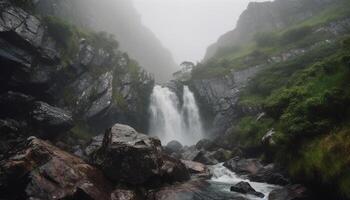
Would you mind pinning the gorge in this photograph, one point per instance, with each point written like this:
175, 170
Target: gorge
88, 109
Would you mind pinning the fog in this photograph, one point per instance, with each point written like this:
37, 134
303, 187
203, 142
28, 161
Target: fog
188, 27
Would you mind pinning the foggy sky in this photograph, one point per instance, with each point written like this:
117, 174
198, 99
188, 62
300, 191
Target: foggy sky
188, 27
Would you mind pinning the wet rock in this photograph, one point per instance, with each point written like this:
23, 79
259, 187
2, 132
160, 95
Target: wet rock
173, 147
245, 188
206, 144
243, 166
269, 174
202, 156
197, 169
173, 170
221, 155
94, 144
205, 158
124, 194
38, 170
128, 156
290, 192
50, 120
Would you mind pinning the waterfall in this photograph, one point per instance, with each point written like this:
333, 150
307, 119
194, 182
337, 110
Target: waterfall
171, 121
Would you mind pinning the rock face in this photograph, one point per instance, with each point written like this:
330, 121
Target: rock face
134, 158
245, 188
221, 96
50, 92
39, 170
119, 18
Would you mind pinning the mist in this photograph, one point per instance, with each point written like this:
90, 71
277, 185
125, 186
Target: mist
188, 27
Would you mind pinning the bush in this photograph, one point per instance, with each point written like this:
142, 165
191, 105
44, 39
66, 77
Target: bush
60, 30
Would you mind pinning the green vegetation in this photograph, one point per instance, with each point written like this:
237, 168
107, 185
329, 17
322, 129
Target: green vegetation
65, 34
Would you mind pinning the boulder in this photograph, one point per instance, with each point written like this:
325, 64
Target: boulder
173, 147
221, 155
202, 156
50, 120
197, 169
206, 144
243, 166
39, 170
269, 174
290, 192
173, 170
128, 156
245, 188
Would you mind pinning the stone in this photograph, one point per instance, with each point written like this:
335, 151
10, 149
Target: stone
197, 169
245, 188
94, 144
39, 170
243, 166
173, 147
50, 120
128, 156
173, 170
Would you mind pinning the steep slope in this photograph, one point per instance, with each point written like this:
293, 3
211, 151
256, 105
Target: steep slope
283, 94
120, 18
267, 16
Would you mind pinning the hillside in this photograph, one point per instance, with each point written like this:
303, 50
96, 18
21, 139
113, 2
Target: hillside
278, 87
120, 18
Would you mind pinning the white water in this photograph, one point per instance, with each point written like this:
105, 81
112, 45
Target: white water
170, 121
223, 175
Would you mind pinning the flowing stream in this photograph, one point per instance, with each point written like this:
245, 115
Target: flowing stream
172, 121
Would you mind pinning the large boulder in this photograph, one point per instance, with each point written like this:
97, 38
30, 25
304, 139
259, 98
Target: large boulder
197, 169
173, 147
201, 156
245, 188
173, 170
244, 166
269, 174
50, 120
128, 156
38, 170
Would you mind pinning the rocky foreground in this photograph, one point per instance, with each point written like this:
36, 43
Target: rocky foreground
125, 164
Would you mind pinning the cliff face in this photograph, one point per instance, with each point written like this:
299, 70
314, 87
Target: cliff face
267, 17
54, 78
120, 18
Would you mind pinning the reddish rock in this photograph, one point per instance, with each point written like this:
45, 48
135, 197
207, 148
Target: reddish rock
39, 170
197, 168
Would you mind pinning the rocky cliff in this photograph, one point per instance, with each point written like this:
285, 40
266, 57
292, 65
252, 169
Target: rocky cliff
120, 18
55, 77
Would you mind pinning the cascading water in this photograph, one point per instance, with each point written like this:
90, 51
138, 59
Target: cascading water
172, 121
